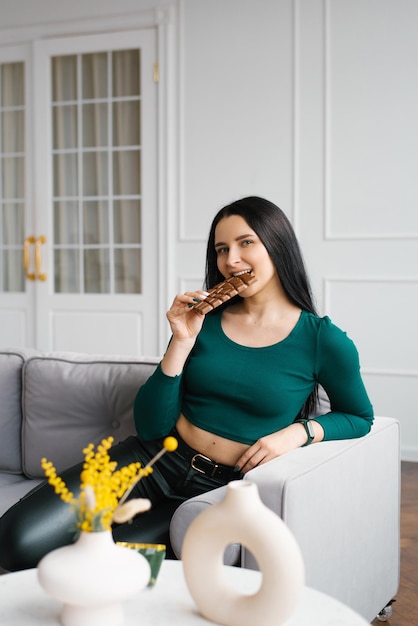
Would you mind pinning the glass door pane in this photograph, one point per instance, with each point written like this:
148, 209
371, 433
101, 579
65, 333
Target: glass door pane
12, 177
96, 164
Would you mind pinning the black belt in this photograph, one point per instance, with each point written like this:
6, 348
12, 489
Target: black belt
203, 464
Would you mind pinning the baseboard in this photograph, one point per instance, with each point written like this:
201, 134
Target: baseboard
409, 454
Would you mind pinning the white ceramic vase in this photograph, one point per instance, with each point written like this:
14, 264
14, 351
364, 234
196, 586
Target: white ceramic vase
93, 577
241, 517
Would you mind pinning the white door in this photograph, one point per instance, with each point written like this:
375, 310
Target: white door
17, 279
91, 156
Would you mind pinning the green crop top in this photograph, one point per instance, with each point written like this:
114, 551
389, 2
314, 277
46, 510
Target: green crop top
243, 393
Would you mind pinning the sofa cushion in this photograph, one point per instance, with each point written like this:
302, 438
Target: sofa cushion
13, 487
11, 364
71, 400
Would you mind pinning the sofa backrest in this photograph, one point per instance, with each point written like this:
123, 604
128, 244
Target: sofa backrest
71, 400
55, 404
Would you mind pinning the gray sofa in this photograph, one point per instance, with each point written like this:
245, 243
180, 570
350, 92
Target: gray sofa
53, 405
339, 498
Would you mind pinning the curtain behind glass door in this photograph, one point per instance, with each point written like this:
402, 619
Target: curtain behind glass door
96, 152
12, 177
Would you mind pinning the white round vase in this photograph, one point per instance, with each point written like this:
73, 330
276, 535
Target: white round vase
241, 517
93, 577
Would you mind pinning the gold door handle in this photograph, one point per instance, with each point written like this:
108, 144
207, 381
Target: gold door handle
26, 248
38, 258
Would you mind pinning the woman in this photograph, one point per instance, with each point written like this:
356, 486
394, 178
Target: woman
235, 382
235, 386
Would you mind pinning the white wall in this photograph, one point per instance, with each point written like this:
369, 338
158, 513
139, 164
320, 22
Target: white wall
235, 114
356, 192
312, 104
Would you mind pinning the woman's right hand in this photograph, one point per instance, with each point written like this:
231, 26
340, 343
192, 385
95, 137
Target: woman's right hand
185, 323
185, 326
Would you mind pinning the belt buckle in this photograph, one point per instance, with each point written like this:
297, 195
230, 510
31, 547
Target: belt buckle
204, 458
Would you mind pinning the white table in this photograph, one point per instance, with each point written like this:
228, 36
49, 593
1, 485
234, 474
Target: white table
24, 603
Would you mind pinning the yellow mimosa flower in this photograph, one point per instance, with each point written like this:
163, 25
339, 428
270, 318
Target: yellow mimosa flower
103, 489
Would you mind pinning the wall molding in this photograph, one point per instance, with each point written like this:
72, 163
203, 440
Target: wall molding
182, 236
409, 454
295, 156
94, 24
374, 371
370, 279
187, 283
167, 155
330, 280
328, 234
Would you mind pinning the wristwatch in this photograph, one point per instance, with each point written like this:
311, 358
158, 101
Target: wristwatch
309, 431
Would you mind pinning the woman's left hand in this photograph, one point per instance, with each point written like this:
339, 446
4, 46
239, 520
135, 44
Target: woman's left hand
271, 446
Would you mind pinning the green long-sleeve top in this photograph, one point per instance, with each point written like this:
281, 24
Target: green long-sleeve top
243, 393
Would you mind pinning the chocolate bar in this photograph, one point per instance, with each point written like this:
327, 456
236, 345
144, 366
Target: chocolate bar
224, 291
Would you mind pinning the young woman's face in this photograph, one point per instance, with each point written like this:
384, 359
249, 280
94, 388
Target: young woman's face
239, 249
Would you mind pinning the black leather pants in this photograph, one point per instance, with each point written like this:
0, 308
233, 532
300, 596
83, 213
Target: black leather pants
41, 521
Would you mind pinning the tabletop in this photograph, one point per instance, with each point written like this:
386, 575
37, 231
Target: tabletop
24, 603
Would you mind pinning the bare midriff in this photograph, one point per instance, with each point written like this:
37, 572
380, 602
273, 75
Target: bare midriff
217, 448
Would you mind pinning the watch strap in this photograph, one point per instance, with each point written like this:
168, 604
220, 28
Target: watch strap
309, 431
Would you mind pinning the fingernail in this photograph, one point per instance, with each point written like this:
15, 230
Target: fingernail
237, 468
196, 300
190, 305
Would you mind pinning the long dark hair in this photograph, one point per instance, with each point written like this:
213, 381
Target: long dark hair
276, 233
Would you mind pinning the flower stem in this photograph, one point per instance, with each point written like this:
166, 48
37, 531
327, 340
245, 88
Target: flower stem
147, 466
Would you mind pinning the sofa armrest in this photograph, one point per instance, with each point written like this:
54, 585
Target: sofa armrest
341, 500
186, 513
